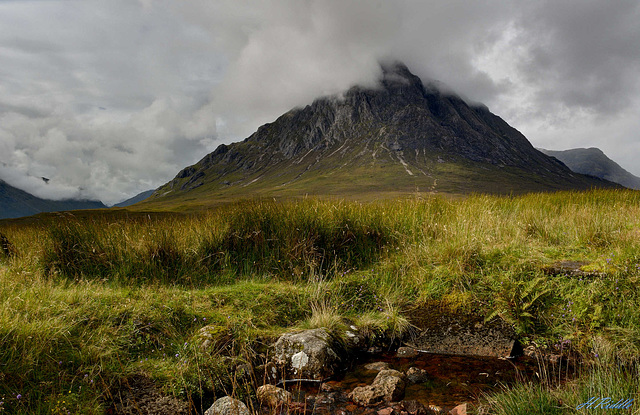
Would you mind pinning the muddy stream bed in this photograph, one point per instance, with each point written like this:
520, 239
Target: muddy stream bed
451, 380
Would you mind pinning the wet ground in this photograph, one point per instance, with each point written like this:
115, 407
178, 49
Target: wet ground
451, 380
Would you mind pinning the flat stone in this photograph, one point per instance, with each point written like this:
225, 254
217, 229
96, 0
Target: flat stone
377, 366
462, 334
569, 269
407, 352
459, 410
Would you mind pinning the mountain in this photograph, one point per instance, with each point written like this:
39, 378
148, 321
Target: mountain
594, 162
135, 199
15, 203
399, 138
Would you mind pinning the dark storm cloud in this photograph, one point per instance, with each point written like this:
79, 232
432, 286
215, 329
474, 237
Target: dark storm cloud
583, 53
111, 98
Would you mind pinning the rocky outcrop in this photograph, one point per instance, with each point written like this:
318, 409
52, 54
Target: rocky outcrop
227, 406
310, 354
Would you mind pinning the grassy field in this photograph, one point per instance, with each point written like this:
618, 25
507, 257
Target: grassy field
91, 301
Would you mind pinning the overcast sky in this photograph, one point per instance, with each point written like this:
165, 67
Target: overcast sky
110, 98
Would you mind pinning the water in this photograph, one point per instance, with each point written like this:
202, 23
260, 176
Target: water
452, 380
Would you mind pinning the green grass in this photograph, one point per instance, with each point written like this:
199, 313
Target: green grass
604, 381
91, 299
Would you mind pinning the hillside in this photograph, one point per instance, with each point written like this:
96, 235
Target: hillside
594, 162
15, 203
135, 199
399, 138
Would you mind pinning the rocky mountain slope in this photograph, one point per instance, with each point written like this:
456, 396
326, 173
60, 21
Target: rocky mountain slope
15, 203
401, 137
594, 162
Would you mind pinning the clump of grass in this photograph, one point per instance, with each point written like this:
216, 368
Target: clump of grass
323, 314
597, 387
292, 240
284, 241
77, 251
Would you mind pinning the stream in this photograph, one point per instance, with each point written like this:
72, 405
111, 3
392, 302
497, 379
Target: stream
451, 380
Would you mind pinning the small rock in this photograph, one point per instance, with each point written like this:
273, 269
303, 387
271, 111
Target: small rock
414, 408
273, 396
212, 337
354, 339
407, 352
307, 354
324, 400
392, 384
267, 372
435, 409
227, 406
416, 375
377, 366
386, 411
388, 386
459, 410
330, 386
530, 351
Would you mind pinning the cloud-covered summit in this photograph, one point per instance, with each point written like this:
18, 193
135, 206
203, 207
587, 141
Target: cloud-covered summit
111, 98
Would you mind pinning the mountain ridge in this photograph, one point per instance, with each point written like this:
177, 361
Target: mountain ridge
15, 203
594, 162
399, 137
135, 199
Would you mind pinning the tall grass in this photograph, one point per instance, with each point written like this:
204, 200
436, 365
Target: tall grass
285, 241
111, 297
602, 383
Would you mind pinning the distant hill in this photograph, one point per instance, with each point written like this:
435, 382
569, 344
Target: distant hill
15, 203
399, 138
594, 162
135, 199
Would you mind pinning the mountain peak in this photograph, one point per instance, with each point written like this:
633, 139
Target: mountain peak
594, 162
396, 70
399, 137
